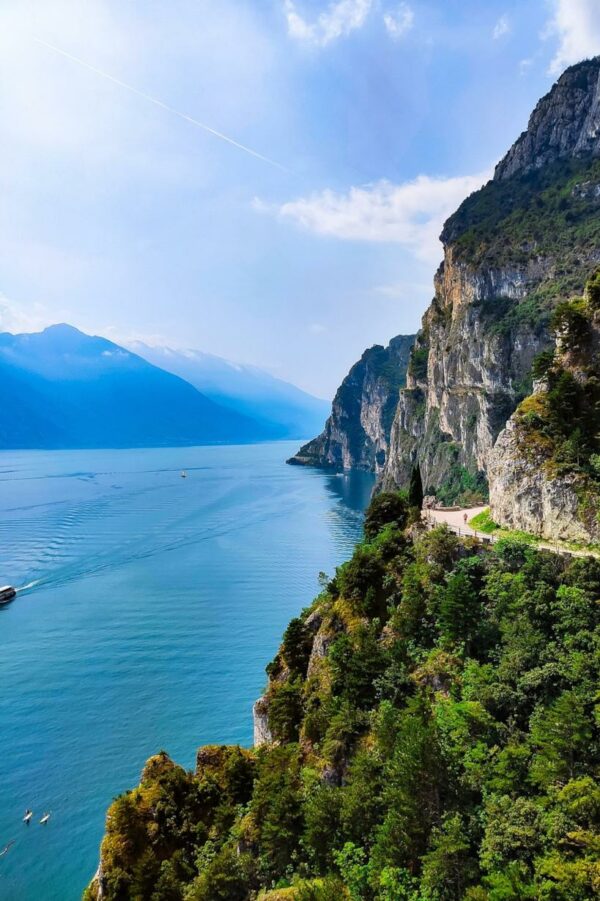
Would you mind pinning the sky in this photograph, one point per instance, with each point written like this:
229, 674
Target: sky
264, 180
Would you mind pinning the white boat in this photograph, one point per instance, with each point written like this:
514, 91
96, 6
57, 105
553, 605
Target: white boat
45, 818
28, 815
183, 474
7, 593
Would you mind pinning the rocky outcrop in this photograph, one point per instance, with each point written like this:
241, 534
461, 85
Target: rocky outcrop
260, 713
512, 251
525, 496
356, 435
544, 470
565, 123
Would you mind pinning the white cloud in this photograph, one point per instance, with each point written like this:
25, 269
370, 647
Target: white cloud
410, 214
501, 28
525, 65
338, 20
400, 21
576, 23
16, 317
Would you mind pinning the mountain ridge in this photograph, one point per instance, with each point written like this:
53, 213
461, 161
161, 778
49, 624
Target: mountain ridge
283, 409
61, 388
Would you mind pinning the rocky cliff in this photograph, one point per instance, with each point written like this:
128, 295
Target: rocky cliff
512, 251
545, 467
357, 434
565, 123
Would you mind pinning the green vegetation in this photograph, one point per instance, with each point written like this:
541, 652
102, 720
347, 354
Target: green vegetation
417, 366
548, 212
461, 486
483, 522
415, 488
438, 725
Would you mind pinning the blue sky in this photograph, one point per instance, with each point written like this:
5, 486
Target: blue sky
125, 219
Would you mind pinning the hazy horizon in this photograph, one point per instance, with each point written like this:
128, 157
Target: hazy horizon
264, 182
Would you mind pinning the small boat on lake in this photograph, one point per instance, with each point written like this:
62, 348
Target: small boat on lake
45, 818
28, 815
183, 474
7, 593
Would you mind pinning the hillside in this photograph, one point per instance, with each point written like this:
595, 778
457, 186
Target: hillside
282, 409
357, 433
429, 735
61, 388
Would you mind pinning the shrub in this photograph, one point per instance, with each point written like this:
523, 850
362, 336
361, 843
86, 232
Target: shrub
386, 508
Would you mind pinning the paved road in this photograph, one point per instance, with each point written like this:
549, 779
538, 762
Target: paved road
455, 519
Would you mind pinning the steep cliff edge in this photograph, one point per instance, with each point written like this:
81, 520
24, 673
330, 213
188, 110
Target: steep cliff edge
357, 434
512, 252
545, 467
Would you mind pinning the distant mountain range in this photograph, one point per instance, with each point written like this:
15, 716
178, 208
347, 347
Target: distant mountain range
283, 409
61, 388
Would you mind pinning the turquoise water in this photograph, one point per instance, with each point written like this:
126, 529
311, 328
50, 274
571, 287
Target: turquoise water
155, 603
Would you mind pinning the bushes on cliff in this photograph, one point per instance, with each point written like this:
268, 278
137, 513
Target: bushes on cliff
454, 757
386, 508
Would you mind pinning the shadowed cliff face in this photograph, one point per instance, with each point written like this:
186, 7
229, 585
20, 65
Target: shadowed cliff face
512, 251
356, 435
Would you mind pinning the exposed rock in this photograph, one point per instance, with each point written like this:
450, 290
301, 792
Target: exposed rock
523, 496
494, 293
534, 486
471, 380
320, 646
565, 123
97, 888
260, 712
313, 620
356, 435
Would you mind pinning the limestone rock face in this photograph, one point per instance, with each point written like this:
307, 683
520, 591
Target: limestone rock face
565, 123
262, 733
537, 484
512, 251
356, 435
466, 376
524, 497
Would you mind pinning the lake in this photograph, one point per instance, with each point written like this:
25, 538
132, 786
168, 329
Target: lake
153, 604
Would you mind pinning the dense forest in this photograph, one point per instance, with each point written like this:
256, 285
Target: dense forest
434, 719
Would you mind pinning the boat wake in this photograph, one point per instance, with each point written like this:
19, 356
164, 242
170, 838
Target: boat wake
29, 585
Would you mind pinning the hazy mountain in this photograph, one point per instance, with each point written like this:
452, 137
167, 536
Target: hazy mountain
61, 388
279, 406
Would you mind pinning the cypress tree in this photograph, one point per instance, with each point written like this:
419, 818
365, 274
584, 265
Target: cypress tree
415, 490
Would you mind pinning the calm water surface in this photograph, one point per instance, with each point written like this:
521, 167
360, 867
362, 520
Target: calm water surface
154, 604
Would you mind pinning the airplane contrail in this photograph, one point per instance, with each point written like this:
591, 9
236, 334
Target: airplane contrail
159, 103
